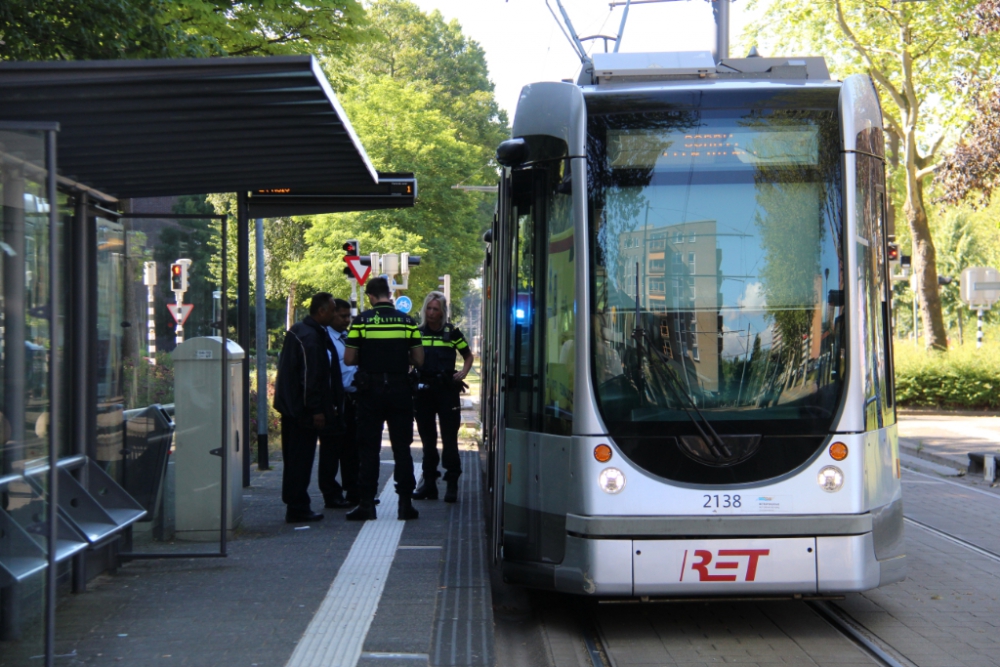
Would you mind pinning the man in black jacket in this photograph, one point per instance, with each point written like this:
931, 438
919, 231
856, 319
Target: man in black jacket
309, 395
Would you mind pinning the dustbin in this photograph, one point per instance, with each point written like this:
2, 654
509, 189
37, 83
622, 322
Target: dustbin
198, 438
148, 432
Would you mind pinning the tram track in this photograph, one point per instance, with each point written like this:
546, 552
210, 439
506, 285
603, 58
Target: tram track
881, 654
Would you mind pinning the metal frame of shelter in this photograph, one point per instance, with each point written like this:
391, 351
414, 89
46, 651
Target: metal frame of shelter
269, 129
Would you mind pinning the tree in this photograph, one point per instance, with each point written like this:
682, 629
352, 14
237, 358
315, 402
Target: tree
974, 165
913, 51
115, 29
402, 131
95, 30
272, 27
435, 57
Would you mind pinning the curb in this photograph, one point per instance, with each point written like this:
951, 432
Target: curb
933, 458
944, 412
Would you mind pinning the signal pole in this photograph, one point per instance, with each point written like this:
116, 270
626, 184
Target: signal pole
445, 287
149, 280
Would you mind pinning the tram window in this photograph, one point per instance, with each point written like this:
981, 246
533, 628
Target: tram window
755, 235
523, 330
560, 302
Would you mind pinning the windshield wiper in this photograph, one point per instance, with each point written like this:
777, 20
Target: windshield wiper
713, 440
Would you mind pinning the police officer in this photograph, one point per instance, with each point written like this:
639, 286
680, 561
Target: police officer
438, 398
383, 343
308, 393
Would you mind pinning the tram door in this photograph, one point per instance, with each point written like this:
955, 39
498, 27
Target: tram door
518, 333
497, 299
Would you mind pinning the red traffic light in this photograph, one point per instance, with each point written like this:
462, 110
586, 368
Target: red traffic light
351, 248
893, 252
175, 269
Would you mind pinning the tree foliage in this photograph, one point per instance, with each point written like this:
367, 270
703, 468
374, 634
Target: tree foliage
272, 27
403, 132
116, 29
419, 96
974, 164
914, 52
95, 30
433, 56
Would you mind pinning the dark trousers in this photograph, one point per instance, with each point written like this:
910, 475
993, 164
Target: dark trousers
298, 449
340, 450
390, 404
444, 405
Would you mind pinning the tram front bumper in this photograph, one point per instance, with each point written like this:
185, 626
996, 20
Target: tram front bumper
714, 564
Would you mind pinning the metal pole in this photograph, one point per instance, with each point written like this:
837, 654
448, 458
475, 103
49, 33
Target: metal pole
55, 395
261, 346
149, 277
721, 10
225, 430
979, 328
81, 406
243, 318
179, 331
354, 297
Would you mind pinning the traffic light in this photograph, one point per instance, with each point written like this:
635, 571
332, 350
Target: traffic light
893, 252
177, 277
352, 248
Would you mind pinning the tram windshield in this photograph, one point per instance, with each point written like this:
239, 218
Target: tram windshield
721, 228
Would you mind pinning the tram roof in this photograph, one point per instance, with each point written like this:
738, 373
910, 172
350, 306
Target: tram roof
144, 128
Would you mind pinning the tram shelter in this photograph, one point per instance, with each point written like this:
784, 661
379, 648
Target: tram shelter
81, 488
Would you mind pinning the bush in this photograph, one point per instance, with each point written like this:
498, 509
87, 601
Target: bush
963, 377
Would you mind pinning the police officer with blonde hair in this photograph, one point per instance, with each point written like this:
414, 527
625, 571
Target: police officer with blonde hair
438, 397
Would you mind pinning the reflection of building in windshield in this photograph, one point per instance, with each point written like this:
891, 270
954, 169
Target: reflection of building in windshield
679, 284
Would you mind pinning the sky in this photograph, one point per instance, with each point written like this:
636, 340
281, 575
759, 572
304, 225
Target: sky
523, 43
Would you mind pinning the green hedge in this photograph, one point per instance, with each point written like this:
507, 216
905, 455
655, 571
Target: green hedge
963, 377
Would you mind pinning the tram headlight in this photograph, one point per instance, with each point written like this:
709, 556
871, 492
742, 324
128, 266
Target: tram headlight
831, 478
612, 480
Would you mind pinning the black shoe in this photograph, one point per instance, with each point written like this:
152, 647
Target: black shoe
451, 495
406, 510
363, 512
354, 500
426, 490
339, 504
302, 518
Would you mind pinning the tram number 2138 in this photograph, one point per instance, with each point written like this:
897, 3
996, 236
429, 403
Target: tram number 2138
724, 501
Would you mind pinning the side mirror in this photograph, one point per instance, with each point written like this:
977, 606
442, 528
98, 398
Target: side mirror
512, 152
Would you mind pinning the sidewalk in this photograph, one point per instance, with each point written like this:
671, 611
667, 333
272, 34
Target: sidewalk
428, 598
940, 442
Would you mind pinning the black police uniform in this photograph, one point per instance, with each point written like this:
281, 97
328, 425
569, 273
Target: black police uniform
383, 337
439, 398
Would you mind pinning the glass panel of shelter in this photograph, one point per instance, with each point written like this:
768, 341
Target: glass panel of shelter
27, 354
166, 385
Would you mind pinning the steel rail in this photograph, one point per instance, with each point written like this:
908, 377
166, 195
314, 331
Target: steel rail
955, 540
826, 611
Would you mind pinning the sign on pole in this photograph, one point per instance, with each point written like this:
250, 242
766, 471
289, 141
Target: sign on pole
980, 287
354, 263
180, 311
403, 304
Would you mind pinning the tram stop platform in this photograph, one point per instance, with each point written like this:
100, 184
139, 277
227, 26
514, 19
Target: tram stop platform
332, 593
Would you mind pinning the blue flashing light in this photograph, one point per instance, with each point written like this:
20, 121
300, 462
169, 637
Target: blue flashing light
519, 313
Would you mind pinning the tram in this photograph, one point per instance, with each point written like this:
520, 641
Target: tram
687, 365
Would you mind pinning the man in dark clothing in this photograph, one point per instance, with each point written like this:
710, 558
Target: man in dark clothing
340, 450
383, 342
309, 395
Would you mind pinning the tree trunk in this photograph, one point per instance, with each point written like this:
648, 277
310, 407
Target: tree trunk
290, 308
924, 263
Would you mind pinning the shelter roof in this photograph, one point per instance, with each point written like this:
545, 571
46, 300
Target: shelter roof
145, 128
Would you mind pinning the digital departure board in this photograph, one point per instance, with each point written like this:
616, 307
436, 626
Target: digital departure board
661, 149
